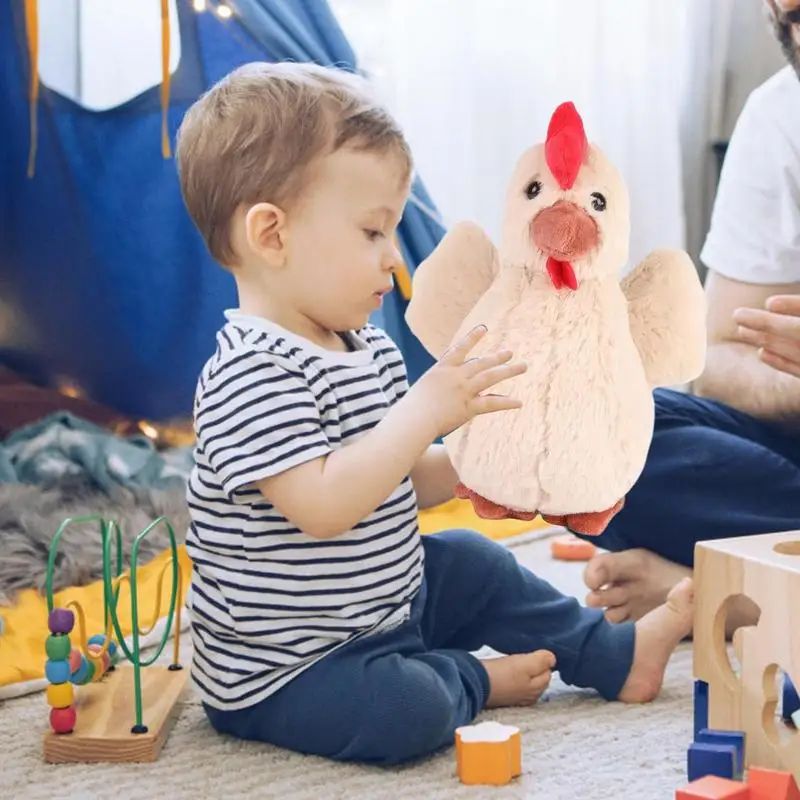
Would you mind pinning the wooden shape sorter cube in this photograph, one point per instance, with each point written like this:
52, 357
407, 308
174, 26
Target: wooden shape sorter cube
761, 576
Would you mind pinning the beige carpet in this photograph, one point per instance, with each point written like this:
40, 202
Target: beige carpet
576, 747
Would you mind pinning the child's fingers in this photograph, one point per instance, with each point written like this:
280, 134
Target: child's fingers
494, 375
489, 403
473, 366
455, 354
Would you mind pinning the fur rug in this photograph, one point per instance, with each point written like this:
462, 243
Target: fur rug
30, 515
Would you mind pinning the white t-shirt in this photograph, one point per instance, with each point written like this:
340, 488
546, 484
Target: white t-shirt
755, 226
266, 599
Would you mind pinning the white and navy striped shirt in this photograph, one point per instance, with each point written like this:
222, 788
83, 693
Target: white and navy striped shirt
267, 600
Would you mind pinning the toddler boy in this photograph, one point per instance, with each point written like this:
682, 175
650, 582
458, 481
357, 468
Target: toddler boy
322, 621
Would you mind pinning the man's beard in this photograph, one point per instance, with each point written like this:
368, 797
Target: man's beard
782, 25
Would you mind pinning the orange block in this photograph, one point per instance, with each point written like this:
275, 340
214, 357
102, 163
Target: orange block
771, 784
713, 788
570, 548
488, 754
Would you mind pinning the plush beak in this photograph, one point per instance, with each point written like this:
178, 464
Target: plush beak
564, 232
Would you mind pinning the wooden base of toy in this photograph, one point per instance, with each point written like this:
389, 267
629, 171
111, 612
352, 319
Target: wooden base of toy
106, 715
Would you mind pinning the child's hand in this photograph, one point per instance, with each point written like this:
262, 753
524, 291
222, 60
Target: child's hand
450, 393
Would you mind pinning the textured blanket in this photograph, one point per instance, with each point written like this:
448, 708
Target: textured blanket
31, 514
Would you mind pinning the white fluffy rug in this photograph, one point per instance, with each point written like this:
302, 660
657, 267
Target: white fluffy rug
575, 747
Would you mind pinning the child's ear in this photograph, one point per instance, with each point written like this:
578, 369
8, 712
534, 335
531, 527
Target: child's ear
265, 231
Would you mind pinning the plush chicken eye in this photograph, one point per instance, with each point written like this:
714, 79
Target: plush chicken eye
533, 189
598, 201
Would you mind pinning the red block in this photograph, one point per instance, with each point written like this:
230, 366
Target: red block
713, 788
771, 784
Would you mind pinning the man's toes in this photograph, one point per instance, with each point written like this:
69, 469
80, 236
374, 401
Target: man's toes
596, 574
608, 598
618, 614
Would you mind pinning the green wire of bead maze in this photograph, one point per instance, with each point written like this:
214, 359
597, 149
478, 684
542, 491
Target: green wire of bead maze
110, 532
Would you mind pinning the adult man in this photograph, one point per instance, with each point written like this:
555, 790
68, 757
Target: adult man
725, 461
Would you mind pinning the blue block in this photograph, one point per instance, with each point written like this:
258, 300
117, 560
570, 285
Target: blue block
700, 706
791, 700
711, 759
727, 738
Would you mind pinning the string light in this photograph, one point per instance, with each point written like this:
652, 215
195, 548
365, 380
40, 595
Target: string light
224, 12
199, 5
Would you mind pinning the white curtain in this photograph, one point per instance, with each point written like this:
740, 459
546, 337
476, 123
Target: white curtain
474, 83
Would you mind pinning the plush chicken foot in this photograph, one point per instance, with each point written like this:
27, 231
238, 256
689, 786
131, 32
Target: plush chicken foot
589, 524
486, 509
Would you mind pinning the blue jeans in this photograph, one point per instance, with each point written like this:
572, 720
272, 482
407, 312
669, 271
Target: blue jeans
712, 473
399, 695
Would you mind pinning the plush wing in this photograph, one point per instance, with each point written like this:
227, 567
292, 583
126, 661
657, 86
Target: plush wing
448, 284
667, 311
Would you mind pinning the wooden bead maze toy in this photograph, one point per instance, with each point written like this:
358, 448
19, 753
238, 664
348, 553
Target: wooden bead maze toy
120, 712
760, 575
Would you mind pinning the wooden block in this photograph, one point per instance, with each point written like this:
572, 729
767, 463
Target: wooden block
761, 573
569, 547
700, 707
770, 784
488, 754
735, 738
707, 758
106, 714
713, 788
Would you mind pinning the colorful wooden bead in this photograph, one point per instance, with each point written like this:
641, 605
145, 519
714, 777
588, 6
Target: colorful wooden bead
57, 647
82, 674
57, 671
61, 620
75, 660
98, 641
60, 695
62, 720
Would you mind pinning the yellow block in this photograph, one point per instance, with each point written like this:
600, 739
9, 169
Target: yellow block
22, 654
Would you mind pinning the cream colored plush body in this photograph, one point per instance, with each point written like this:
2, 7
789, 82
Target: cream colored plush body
587, 412
594, 353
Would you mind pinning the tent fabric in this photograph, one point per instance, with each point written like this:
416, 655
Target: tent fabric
104, 282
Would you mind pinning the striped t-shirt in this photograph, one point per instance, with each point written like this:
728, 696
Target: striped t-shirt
266, 599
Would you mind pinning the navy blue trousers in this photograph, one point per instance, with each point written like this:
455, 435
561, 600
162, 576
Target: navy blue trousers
398, 695
712, 473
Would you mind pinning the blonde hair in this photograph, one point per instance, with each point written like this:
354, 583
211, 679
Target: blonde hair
253, 137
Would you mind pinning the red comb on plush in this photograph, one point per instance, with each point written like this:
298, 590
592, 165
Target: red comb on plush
566, 144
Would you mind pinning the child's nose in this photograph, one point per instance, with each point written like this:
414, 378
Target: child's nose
394, 258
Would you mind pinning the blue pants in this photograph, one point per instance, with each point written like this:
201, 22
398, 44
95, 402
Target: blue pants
399, 695
712, 473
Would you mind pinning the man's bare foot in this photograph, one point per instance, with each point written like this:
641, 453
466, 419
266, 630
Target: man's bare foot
630, 583
658, 633
518, 680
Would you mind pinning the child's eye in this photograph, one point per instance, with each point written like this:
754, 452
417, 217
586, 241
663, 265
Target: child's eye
373, 235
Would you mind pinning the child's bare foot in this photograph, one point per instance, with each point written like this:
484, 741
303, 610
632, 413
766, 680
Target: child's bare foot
519, 680
658, 633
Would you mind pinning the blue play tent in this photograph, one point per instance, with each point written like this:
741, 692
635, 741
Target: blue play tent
104, 282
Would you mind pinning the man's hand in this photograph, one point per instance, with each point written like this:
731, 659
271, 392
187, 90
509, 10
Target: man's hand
775, 330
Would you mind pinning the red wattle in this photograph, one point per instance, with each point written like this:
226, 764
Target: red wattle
561, 274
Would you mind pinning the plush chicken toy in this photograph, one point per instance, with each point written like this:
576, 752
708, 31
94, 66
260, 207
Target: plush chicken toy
595, 346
